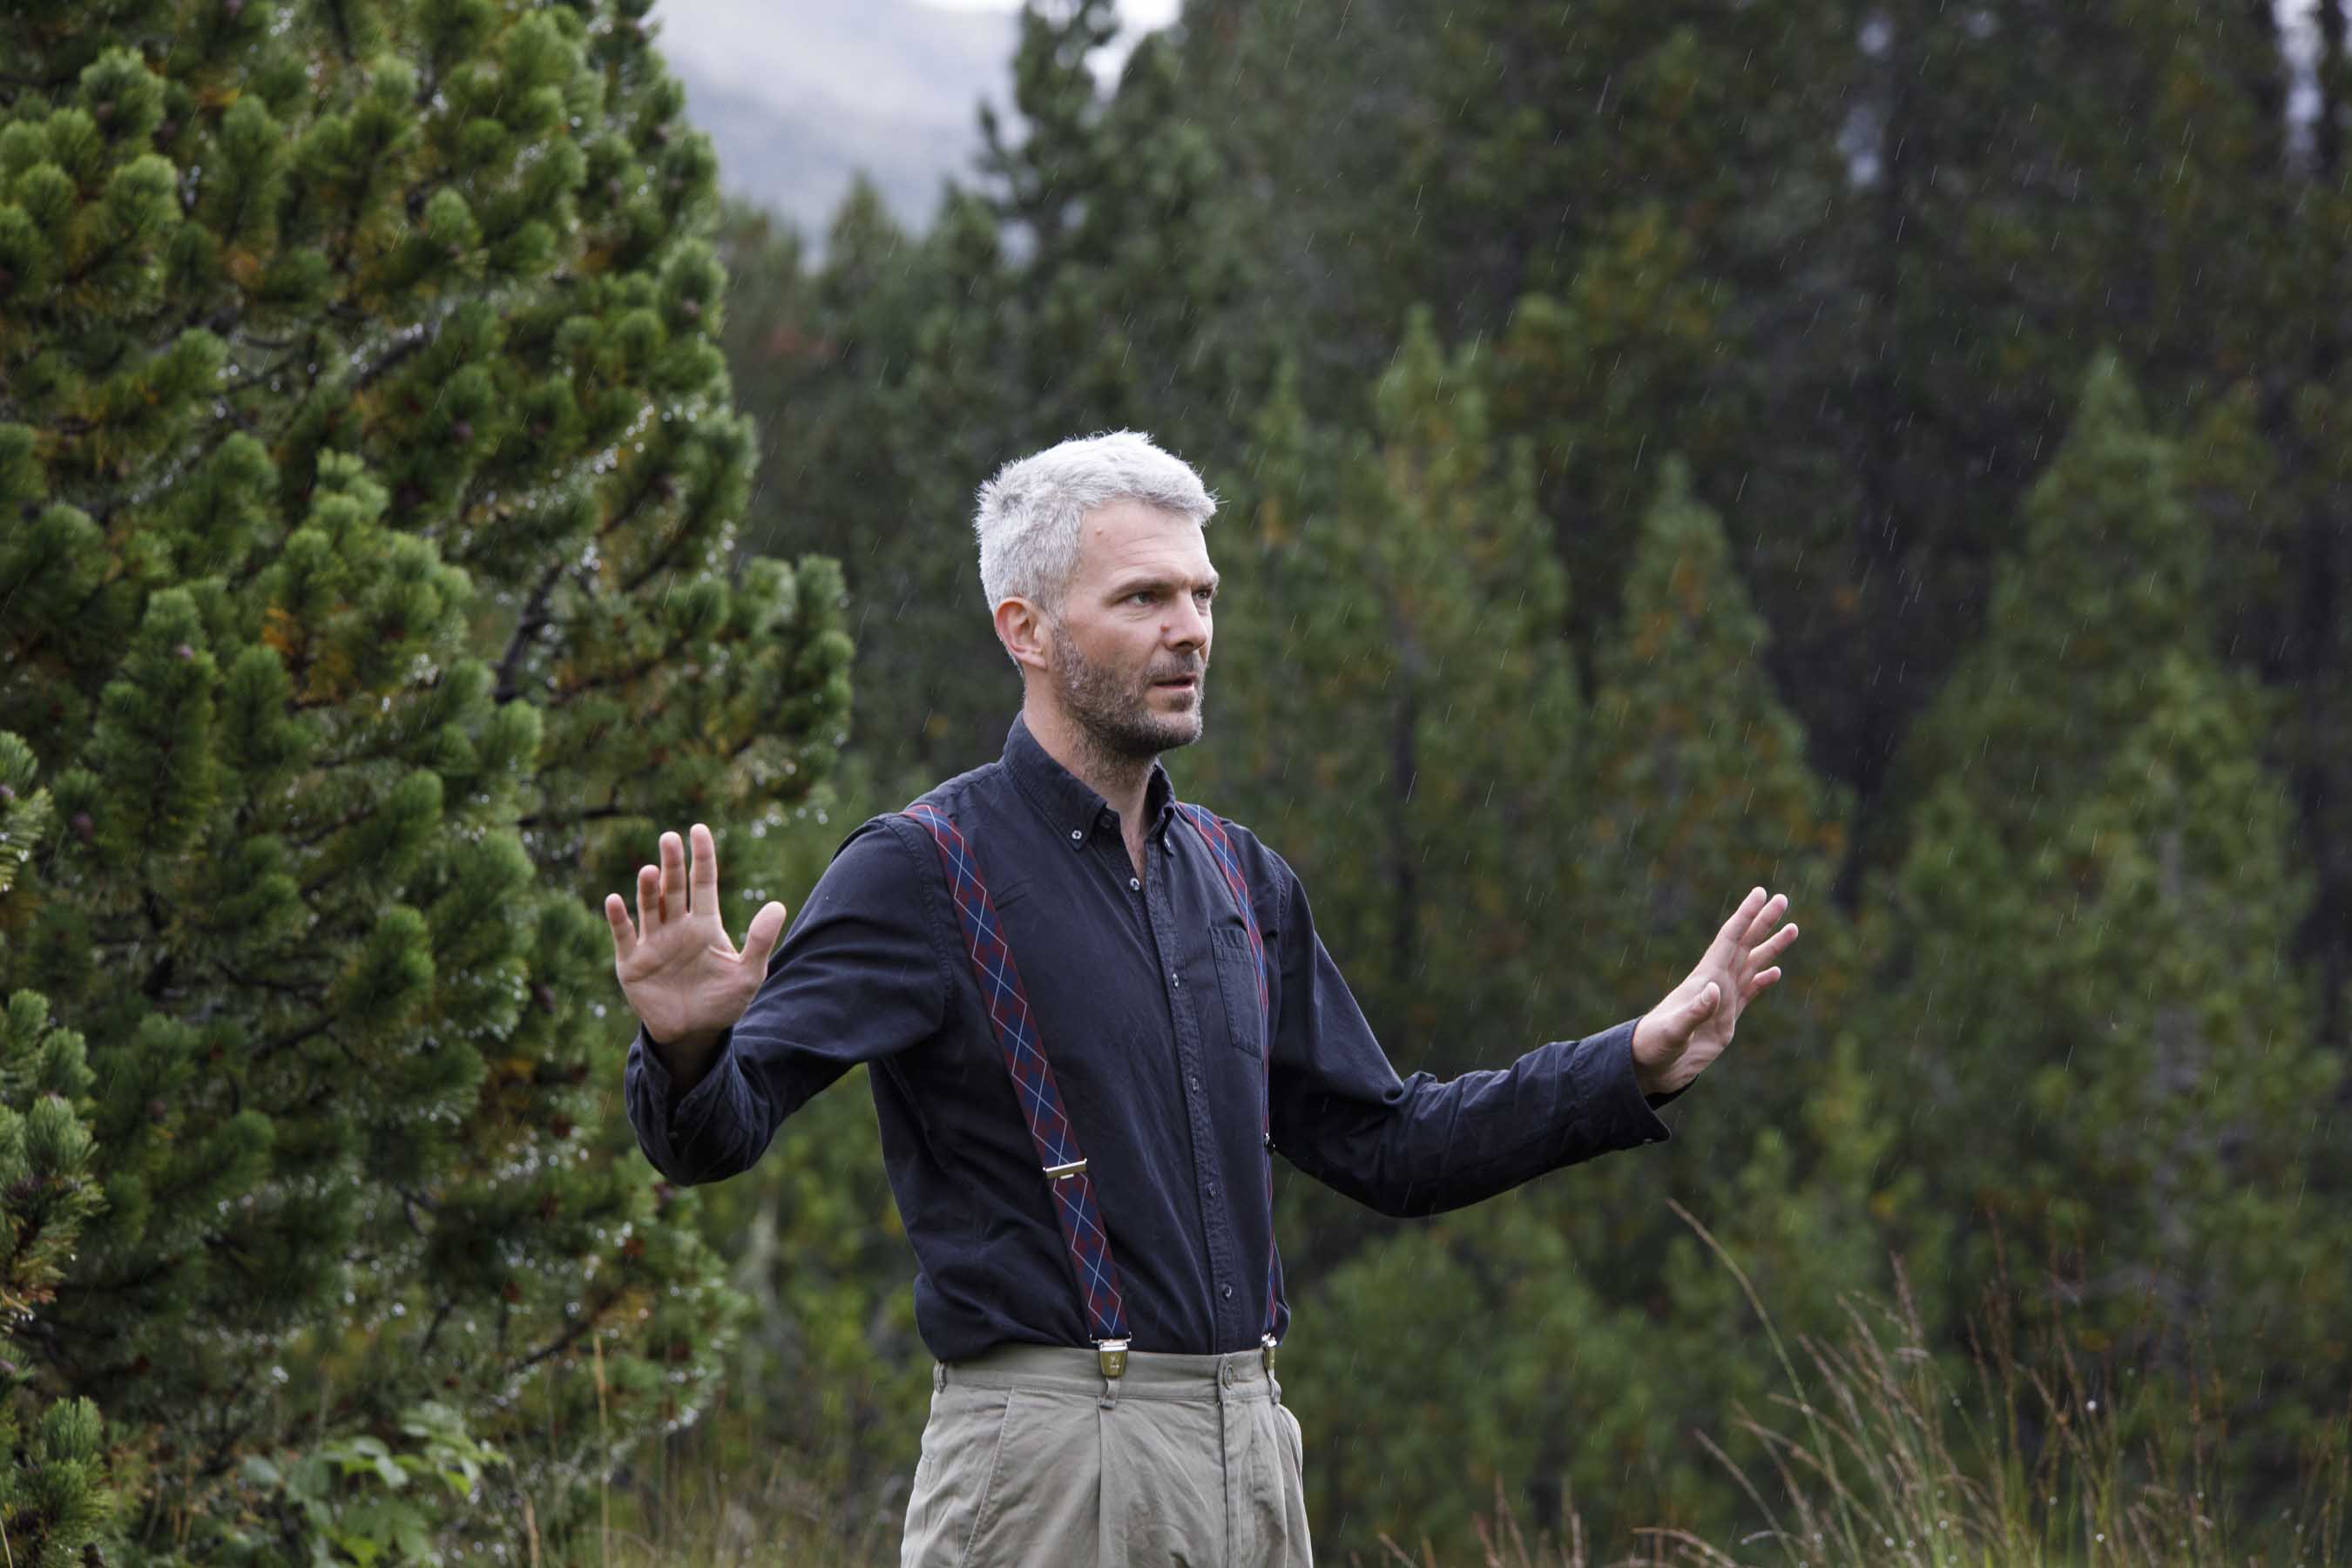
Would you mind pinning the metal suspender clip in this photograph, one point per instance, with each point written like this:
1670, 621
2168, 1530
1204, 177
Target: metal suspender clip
1111, 1356
1267, 1342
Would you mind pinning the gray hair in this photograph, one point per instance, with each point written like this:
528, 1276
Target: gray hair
1028, 515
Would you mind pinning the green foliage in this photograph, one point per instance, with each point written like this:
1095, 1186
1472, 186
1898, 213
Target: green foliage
58, 1490
373, 474
829, 1384
2087, 950
360, 1501
2113, 565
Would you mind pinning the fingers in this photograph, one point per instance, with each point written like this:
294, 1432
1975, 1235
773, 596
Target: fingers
649, 909
1764, 953
673, 877
759, 940
1735, 930
1703, 1003
670, 891
1760, 983
704, 883
1761, 912
625, 936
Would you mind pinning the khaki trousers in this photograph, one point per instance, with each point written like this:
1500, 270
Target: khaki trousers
1033, 1460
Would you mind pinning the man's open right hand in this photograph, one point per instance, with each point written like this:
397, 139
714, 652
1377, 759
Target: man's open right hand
684, 980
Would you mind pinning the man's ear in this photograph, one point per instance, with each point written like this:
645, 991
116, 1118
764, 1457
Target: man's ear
1020, 627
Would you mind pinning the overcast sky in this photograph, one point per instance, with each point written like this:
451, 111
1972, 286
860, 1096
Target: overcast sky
1139, 17
1145, 14
801, 97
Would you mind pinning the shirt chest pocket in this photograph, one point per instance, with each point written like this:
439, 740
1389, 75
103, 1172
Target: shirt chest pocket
1237, 982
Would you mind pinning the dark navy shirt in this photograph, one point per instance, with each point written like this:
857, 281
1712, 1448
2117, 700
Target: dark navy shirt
1144, 993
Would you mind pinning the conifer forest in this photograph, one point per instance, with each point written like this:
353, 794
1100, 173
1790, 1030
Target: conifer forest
1895, 451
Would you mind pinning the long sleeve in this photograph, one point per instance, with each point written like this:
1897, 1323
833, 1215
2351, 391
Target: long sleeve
860, 976
1419, 1145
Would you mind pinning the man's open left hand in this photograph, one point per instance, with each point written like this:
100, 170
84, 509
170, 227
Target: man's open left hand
1677, 1038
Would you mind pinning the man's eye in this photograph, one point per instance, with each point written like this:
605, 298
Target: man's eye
1143, 595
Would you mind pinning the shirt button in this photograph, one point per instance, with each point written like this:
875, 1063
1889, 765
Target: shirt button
1227, 1290
1213, 1189
1076, 835
1196, 1080
1135, 882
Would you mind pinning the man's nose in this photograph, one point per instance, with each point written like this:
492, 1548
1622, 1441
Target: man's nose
1190, 627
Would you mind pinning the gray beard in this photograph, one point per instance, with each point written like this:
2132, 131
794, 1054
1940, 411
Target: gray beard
1114, 719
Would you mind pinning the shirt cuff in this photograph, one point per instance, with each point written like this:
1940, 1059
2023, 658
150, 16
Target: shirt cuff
1656, 1100
1614, 1091
678, 1117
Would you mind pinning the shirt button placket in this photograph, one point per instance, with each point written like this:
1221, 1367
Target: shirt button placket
1221, 1262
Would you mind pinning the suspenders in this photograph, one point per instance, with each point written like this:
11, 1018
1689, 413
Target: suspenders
1056, 1144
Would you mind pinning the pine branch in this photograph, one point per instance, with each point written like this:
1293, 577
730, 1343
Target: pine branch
569, 1336
659, 562
433, 1330
296, 1039
594, 814
534, 616
258, 982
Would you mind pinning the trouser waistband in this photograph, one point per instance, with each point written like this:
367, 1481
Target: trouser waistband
1150, 1375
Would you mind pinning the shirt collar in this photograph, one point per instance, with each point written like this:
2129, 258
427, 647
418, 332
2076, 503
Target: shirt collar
1067, 802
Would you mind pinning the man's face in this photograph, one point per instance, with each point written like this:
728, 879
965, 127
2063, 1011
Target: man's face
1129, 650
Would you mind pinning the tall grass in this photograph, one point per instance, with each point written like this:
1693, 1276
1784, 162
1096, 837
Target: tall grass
1875, 1458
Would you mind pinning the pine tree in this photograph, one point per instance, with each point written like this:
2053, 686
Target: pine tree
2144, 1102
371, 463
57, 1494
2113, 564
2084, 959
2031, 719
1606, 376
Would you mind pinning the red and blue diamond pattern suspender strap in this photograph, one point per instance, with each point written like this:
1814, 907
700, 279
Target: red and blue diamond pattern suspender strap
1033, 1084
1229, 865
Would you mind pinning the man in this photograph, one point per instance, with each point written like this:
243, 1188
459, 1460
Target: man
1103, 1321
